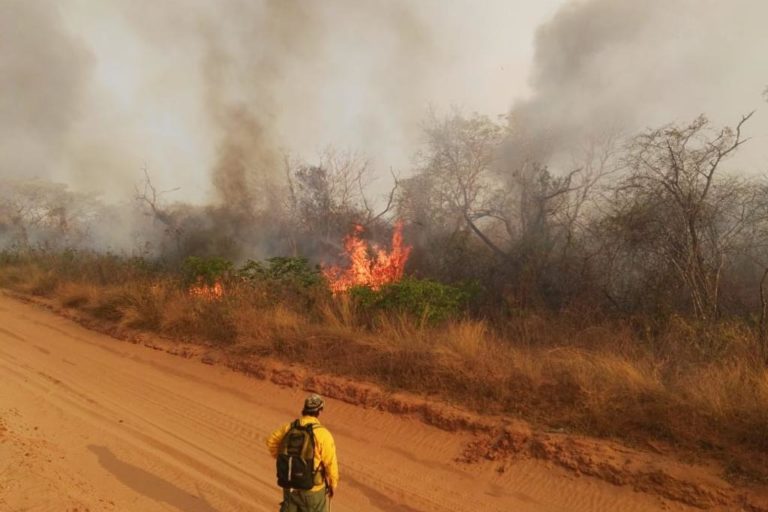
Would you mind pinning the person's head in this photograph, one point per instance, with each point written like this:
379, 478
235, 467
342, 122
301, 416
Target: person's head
313, 405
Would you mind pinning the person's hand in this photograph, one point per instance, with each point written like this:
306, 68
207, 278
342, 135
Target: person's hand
331, 491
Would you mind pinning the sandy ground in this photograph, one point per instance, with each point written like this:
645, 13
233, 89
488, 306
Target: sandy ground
89, 423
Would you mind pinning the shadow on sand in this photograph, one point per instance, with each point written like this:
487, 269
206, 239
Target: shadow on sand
149, 485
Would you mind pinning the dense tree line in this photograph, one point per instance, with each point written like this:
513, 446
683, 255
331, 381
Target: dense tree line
656, 222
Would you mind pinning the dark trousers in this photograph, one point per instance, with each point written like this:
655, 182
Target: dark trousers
304, 501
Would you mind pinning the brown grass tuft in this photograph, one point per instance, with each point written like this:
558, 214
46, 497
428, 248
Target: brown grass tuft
76, 295
39, 282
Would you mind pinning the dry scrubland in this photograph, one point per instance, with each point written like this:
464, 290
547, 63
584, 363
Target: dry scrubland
690, 388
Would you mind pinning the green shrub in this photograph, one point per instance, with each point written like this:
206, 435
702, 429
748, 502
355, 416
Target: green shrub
294, 271
423, 298
291, 281
208, 269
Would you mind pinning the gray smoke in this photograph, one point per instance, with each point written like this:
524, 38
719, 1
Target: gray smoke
209, 96
623, 65
43, 75
265, 69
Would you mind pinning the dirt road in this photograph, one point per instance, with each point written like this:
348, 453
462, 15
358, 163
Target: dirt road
89, 423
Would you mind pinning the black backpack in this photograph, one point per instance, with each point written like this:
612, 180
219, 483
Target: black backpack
296, 458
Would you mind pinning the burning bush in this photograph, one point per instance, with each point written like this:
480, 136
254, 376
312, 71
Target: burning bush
205, 275
369, 264
209, 270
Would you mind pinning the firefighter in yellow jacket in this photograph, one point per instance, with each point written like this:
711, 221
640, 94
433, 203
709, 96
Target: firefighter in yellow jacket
305, 444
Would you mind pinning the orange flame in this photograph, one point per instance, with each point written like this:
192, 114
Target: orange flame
369, 266
207, 292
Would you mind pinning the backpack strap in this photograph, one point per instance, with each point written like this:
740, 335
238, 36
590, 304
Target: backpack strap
308, 427
320, 466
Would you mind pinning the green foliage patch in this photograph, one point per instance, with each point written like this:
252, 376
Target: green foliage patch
208, 269
292, 281
285, 270
426, 299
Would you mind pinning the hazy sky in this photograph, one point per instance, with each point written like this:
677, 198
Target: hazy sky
145, 91
198, 90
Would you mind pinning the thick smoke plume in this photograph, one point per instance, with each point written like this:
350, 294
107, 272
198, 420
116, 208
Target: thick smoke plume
43, 77
194, 89
622, 66
209, 97
264, 70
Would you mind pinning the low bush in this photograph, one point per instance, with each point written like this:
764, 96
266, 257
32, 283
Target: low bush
283, 270
424, 299
285, 280
209, 270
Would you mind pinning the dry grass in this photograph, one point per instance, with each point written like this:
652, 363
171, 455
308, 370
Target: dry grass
76, 295
470, 340
30, 279
339, 314
695, 388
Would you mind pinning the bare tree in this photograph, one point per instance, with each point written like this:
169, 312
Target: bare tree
455, 185
326, 199
474, 199
674, 203
42, 213
151, 199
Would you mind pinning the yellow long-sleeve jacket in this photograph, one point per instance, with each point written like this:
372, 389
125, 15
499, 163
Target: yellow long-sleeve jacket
325, 449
